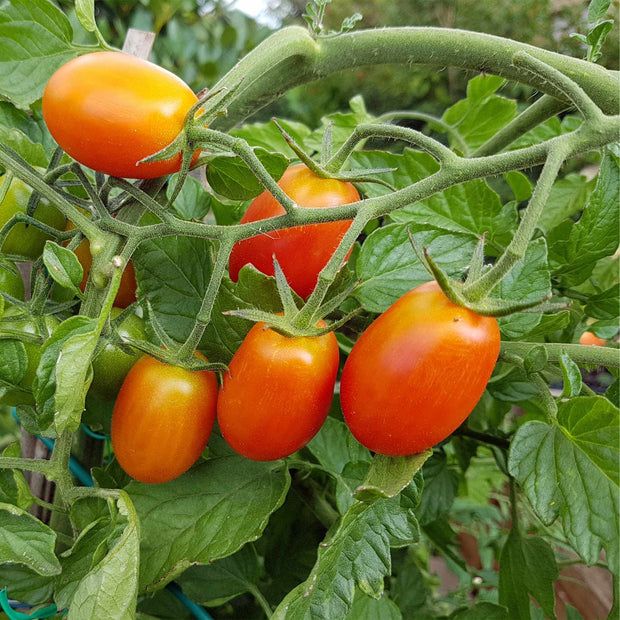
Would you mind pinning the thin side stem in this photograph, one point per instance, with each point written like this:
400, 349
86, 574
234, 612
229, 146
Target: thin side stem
392, 132
204, 315
429, 120
518, 246
541, 110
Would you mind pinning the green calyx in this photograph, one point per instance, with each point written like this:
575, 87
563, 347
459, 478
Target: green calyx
292, 322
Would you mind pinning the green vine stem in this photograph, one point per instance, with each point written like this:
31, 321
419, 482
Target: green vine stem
302, 58
541, 110
429, 120
579, 353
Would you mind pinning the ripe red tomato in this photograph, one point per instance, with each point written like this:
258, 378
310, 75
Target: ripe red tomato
589, 338
162, 419
277, 393
109, 110
302, 251
417, 372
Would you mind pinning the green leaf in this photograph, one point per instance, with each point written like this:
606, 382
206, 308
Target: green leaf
269, 137
481, 611
33, 153
596, 38
527, 281
342, 126
35, 39
568, 197
89, 548
63, 265
575, 248
173, 273
343, 457
213, 584
520, 185
605, 305
13, 361
547, 130
572, 470
24, 585
388, 267
85, 11
64, 374
405, 169
110, 588
25, 540
441, 484
193, 200
535, 360
527, 566
570, 375
597, 9
231, 177
471, 208
227, 492
357, 553
388, 475
482, 114
334, 446
13, 486
367, 608
408, 588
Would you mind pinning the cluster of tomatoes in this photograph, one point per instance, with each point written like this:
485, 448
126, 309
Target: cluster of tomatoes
409, 381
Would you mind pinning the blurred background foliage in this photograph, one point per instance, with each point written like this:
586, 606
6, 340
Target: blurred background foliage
200, 40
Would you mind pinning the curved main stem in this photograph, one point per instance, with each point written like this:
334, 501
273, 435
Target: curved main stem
302, 59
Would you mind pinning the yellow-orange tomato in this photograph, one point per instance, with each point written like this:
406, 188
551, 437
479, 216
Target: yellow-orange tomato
302, 251
590, 338
162, 419
417, 372
109, 110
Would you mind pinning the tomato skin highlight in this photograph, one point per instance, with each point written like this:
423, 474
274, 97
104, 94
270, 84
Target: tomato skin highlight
109, 110
162, 419
302, 251
277, 393
417, 372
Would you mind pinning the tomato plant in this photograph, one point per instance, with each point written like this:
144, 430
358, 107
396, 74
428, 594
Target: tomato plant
417, 372
25, 240
302, 251
508, 202
162, 419
109, 110
277, 392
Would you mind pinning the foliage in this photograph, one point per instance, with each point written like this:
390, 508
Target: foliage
490, 200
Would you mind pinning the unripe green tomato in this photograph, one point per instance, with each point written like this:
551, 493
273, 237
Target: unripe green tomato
111, 365
33, 351
11, 282
21, 240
